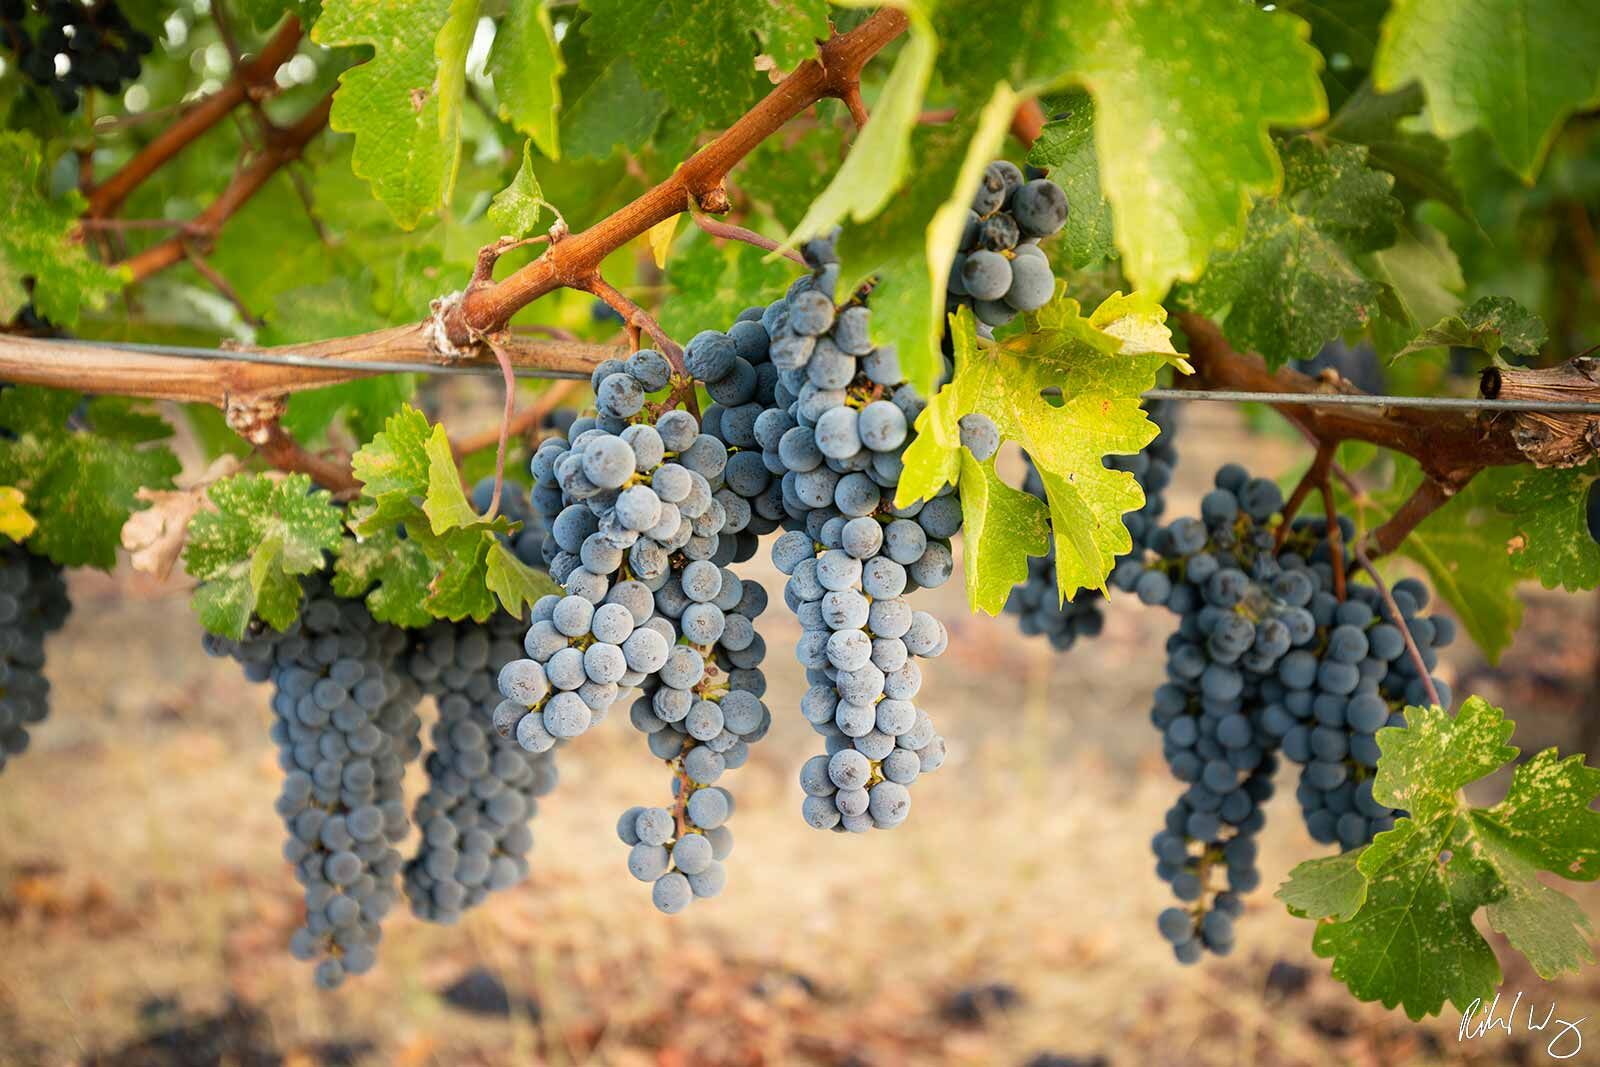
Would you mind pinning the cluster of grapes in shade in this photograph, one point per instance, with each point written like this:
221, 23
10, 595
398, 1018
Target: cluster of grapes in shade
33, 605
73, 46
1268, 660
345, 724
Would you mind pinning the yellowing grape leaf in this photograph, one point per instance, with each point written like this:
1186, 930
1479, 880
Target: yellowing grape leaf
1068, 393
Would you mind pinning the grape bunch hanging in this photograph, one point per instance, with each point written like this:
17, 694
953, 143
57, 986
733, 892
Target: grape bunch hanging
643, 510
73, 46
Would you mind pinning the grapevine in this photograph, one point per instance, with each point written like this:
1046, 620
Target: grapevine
281, 285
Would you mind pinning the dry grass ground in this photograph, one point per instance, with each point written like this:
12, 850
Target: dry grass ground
144, 906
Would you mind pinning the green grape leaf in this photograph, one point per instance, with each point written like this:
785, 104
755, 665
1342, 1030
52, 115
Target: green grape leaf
1419, 161
36, 242
880, 158
1180, 155
16, 522
1099, 378
1066, 147
395, 462
1001, 528
250, 552
1465, 548
404, 104
789, 29
1412, 940
526, 66
910, 246
1331, 886
410, 480
81, 482
1421, 282
605, 106
1295, 282
446, 503
1513, 68
1491, 324
698, 54
1549, 511
392, 571
516, 208
517, 585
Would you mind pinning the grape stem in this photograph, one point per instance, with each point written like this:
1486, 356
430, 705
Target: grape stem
727, 231
505, 425
526, 421
1335, 538
683, 391
251, 79
1399, 621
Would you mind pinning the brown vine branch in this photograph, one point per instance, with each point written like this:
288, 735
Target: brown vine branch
858, 107
283, 147
220, 284
1450, 446
257, 420
572, 262
249, 78
727, 231
86, 367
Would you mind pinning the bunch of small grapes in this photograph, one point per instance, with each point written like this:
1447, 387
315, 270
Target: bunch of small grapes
345, 725
700, 712
634, 496
79, 46
999, 268
33, 604
580, 657
1037, 601
1267, 657
483, 789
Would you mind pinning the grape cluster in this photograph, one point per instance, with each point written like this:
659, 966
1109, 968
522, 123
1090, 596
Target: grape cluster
630, 497
483, 789
1037, 601
345, 725
700, 713
102, 48
1266, 659
33, 604
999, 267
580, 656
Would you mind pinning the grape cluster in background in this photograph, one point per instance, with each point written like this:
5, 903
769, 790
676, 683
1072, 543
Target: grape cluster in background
66, 47
33, 605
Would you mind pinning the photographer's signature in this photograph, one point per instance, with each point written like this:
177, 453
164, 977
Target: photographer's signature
1566, 1043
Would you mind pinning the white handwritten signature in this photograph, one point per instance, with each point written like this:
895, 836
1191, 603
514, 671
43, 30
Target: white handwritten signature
1567, 1035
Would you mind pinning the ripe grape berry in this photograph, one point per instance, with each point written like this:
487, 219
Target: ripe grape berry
999, 268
